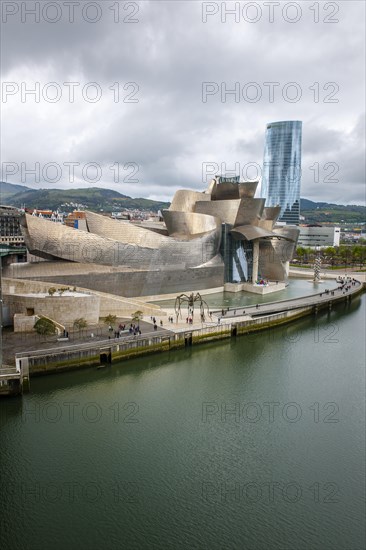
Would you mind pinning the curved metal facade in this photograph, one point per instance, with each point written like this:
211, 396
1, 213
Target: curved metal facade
54, 241
216, 231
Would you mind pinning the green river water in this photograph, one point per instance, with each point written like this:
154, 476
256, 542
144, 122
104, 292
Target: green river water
255, 443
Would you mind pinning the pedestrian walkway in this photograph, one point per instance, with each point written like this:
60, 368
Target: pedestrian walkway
345, 289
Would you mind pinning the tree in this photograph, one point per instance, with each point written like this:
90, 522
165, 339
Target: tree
137, 316
51, 291
330, 254
345, 255
110, 319
301, 252
81, 323
358, 255
45, 327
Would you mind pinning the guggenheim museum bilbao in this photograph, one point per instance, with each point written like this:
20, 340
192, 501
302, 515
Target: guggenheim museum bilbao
221, 236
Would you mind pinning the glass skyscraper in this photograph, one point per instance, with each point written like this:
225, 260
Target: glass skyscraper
281, 179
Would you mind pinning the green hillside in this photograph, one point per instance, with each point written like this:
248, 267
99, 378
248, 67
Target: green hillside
9, 189
93, 198
322, 212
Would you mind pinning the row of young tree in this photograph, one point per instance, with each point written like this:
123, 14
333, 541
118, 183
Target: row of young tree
334, 256
45, 326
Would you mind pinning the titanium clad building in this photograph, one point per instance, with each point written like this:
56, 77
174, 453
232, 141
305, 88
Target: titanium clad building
221, 235
281, 179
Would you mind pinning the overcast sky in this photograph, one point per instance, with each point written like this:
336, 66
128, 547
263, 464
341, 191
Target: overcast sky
167, 125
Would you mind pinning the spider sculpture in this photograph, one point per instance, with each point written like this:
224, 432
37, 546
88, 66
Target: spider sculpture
190, 301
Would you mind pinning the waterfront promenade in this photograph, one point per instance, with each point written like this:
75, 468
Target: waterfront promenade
321, 298
176, 335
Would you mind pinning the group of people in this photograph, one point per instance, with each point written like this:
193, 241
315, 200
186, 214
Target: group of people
234, 312
263, 282
133, 330
347, 284
327, 291
153, 319
344, 280
155, 324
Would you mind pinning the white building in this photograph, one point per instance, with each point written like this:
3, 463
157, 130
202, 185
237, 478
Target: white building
318, 236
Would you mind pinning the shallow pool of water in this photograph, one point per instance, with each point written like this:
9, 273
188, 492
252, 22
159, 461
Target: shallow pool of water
295, 289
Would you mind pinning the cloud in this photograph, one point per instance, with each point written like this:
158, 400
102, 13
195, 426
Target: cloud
162, 62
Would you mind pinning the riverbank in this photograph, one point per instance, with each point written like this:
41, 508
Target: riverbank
234, 323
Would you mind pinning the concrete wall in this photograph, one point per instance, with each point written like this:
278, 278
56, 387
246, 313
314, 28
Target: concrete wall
24, 323
63, 309
109, 304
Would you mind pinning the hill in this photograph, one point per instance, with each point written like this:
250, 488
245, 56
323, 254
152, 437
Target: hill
322, 212
9, 189
93, 198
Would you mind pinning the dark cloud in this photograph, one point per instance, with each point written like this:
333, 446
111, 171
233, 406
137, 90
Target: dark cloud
170, 133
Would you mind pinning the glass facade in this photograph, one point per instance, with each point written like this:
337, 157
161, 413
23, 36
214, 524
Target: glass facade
281, 179
237, 256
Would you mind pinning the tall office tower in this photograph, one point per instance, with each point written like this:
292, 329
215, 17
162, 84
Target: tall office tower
281, 179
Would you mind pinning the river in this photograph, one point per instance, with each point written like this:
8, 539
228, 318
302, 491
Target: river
256, 443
